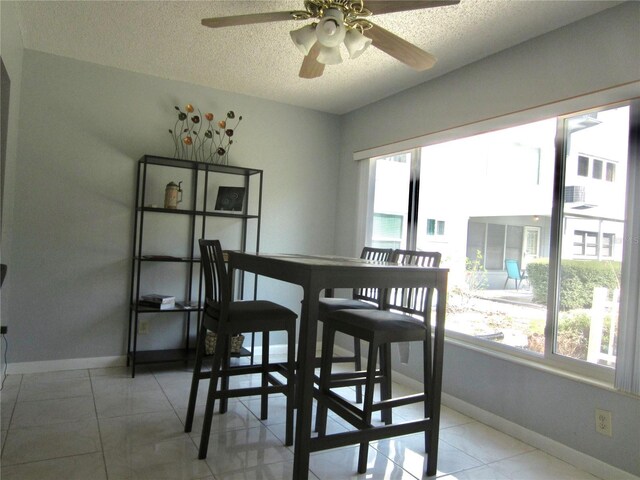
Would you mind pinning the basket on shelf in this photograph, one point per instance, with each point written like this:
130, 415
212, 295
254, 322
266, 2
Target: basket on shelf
210, 343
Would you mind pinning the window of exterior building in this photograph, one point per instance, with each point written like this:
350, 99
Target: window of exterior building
435, 227
585, 243
608, 242
611, 172
597, 169
583, 166
431, 226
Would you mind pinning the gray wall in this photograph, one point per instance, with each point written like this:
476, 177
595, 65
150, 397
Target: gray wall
82, 129
596, 53
12, 54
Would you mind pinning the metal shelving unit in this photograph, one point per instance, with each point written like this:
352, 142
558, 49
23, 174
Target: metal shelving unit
203, 178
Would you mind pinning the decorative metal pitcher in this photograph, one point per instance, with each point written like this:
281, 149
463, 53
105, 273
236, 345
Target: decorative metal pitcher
172, 195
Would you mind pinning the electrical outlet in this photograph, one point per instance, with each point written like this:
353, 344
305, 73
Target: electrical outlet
143, 327
3, 330
603, 422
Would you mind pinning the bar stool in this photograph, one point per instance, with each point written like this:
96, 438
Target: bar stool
227, 318
362, 298
405, 318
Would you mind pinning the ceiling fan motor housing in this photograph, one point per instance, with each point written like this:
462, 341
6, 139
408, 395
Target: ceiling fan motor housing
331, 29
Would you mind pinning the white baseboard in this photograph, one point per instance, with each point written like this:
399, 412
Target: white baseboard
66, 364
574, 457
96, 362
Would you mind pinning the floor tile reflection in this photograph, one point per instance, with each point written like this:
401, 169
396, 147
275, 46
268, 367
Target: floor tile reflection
101, 424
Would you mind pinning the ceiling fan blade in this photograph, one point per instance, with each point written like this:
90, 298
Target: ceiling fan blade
235, 20
400, 49
378, 7
311, 68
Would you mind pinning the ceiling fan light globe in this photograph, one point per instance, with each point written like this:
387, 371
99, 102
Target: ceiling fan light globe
356, 43
330, 27
331, 30
304, 38
329, 55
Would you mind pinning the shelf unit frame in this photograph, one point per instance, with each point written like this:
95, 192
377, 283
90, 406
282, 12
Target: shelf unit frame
135, 357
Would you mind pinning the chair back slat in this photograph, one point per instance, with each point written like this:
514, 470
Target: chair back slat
412, 301
372, 295
216, 279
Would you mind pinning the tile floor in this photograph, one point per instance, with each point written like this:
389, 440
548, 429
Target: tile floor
102, 424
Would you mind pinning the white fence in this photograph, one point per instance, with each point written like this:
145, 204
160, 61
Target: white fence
601, 308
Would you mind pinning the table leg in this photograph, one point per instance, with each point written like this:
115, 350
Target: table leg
436, 377
306, 362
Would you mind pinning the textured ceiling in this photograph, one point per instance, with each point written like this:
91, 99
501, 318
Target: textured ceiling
166, 39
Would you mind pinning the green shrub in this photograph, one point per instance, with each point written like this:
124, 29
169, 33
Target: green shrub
573, 334
538, 273
578, 278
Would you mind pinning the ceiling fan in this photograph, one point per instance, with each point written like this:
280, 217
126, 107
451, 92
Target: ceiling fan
342, 21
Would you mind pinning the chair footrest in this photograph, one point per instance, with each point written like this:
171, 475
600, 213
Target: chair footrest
350, 379
369, 434
397, 402
245, 392
350, 359
342, 407
242, 370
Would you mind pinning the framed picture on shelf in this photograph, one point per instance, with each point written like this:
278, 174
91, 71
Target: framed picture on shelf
230, 199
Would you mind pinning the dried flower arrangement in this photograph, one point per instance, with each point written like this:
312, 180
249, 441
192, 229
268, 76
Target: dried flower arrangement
194, 141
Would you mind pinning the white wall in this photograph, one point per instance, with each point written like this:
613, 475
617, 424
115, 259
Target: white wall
82, 129
596, 53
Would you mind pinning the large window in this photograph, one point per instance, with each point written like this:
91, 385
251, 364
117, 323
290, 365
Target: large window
548, 197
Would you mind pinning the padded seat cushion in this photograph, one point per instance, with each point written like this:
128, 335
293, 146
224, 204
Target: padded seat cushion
333, 304
255, 316
385, 326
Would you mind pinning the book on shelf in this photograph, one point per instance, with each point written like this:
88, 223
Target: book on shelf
159, 306
158, 299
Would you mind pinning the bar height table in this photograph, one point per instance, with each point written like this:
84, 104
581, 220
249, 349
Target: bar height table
315, 273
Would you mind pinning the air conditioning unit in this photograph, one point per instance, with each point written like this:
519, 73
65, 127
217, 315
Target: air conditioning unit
574, 194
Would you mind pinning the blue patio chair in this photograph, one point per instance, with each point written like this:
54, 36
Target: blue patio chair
513, 273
